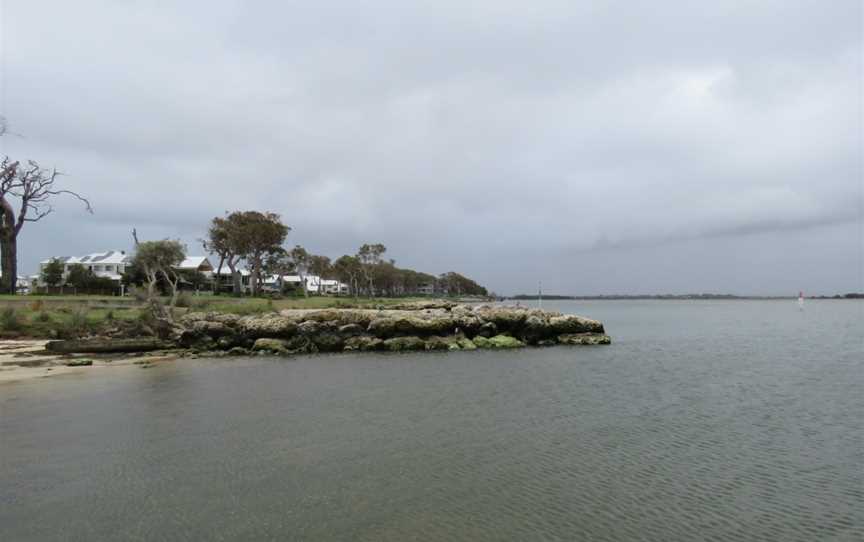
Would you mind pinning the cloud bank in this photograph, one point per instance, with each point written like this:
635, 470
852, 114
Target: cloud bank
601, 147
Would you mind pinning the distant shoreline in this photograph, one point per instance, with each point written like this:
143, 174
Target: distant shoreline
672, 297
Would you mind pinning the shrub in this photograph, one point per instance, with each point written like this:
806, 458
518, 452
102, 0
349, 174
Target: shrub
184, 300
109, 316
200, 303
43, 316
9, 319
78, 321
37, 305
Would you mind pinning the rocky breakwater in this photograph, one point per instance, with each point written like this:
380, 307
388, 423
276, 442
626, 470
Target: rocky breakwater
429, 326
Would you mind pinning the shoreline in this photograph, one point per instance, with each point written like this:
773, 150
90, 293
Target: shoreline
23, 360
431, 326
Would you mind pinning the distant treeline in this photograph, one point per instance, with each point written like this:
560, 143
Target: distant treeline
545, 296
676, 296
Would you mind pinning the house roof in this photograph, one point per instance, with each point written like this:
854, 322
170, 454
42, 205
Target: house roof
111, 257
194, 262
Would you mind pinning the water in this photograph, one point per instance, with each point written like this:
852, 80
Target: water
722, 420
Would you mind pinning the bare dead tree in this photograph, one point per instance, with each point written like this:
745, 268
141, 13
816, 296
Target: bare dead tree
30, 188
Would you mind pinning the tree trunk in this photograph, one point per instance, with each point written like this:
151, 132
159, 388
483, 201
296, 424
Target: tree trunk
217, 285
8, 261
256, 275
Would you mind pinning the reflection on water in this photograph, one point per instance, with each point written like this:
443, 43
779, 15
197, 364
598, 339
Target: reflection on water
703, 420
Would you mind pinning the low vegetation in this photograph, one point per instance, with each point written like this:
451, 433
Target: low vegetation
56, 317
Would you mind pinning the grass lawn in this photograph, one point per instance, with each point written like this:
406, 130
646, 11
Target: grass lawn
63, 316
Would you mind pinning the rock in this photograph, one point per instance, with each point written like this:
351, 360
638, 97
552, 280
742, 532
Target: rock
364, 344
504, 318
76, 346
273, 346
487, 330
441, 343
535, 329
571, 323
382, 327
211, 329
584, 338
466, 344
301, 344
351, 330
547, 342
409, 325
498, 341
328, 342
79, 363
238, 351
269, 326
308, 328
402, 344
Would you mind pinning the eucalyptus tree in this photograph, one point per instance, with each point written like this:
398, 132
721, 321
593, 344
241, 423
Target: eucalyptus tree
159, 259
52, 273
26, 192
348, 270
245, 235
370, 256
302, 260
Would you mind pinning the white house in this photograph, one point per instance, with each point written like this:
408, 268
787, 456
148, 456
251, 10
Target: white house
196, 263
22, 284
111, 264
314, 284
334, 287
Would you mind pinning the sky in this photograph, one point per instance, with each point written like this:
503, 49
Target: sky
598, 147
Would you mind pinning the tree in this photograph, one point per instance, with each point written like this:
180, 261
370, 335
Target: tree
78, 277
33, 187
301, 259
258, 236
279, 263
370, 256
249, 235
347, 270
219, 241
52, 273
321, 266
159, 258
455, 284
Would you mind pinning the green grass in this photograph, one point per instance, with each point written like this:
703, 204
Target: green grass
32, 316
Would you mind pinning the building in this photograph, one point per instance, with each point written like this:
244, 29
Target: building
334, 287
22, 284
196, 263
226, 281
314, 284
111, 264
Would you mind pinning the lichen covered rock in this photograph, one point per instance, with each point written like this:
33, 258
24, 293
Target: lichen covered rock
266, 326
584, 338
413, 327
404, 344
363, 344
272, 346
570, 323
498, 341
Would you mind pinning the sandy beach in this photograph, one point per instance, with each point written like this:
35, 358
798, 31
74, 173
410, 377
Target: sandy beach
27, 360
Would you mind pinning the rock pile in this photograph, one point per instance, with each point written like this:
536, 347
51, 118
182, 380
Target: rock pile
429, 326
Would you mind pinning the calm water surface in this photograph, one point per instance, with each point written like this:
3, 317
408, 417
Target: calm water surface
702, 421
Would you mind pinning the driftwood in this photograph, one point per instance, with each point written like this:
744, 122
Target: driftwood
94, 346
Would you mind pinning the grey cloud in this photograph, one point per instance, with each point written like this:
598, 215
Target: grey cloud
483, 136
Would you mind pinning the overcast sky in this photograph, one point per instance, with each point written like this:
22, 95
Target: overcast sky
601, 147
